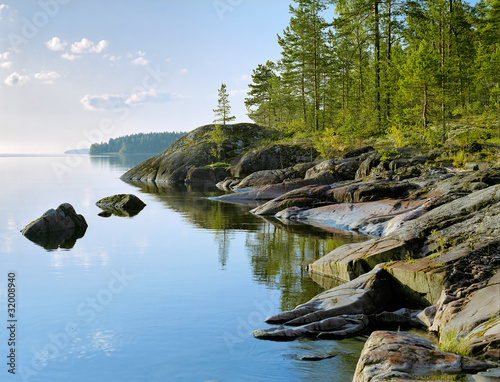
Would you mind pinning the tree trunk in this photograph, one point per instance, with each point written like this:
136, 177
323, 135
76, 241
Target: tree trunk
303, 94
424, 110
388, 65
376, 32
315, 77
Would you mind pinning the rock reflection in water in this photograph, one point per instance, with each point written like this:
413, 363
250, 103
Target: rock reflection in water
65, 239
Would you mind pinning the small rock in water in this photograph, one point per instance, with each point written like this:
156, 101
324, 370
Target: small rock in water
127, 205
317, 358
105, 213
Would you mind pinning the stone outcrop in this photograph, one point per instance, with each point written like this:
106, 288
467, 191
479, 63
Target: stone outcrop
336, 313
194, 149
196, 175
273, 157
56, 228
266, 177
348, 192
395, 356
434, 246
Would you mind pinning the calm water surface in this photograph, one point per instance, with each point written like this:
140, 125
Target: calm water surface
171, 294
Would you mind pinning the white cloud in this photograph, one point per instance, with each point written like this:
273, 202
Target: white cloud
4, 64
87, 46
183, 71
112, 58
234, 93
70, 57
16, 79
139, 60
55, 44
151, 95
2, 8
117, 102
245, 77
47, 77
103, 102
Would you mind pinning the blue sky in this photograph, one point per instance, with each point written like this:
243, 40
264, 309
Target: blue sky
73, 72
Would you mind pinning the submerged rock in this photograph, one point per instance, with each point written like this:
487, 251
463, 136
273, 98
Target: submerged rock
121, 204
59, 228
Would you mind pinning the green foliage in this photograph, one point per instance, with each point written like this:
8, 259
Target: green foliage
401, 69
389, 155
223, 110
440, 245
217, 136
150, 143
223, 165
397, 135
452, 342
328, 143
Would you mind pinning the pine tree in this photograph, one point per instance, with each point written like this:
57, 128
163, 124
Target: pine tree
419, 81
223, 110
258, 102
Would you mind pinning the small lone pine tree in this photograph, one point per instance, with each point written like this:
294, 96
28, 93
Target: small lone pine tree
217, 136
223, 107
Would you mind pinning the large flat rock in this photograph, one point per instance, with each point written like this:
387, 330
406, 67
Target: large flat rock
393, 356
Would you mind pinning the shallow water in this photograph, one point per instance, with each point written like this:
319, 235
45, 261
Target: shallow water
171, 294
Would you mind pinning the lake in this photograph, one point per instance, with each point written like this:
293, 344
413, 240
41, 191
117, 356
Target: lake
171, 294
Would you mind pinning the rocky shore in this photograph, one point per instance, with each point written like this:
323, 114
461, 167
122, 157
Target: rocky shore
431, 263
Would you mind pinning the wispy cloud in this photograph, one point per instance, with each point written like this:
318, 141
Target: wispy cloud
183, 71
20, 79
87, 46
112, 58
16, 79
111, 102
103, 102
69, 56
47, 77
140, 60
4, 60
55, 44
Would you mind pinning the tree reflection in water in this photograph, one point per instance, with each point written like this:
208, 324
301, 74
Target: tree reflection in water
279, 253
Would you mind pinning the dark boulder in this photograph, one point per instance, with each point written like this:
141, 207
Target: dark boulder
121, 204
357, 152
56, 228
367, 165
